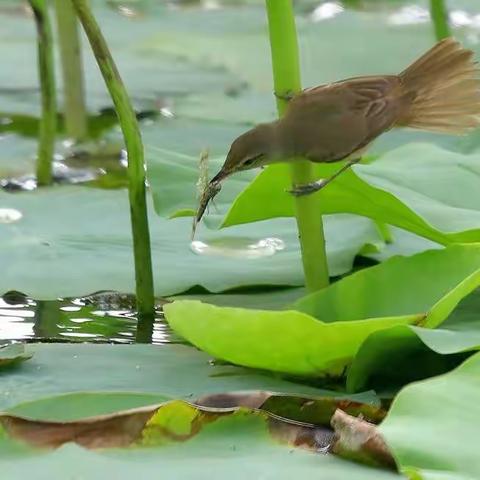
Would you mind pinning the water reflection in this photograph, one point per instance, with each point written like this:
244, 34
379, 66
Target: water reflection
10, 215
100, 318
325, 11
415, 14
61, 174
460, 18
238, 247
136, 9
410, 15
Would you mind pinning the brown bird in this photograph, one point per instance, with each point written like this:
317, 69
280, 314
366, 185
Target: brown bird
440, 92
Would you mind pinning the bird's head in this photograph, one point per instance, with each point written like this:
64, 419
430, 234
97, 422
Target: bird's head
255, 148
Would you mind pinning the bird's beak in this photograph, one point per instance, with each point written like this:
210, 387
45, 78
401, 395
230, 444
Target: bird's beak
220, 176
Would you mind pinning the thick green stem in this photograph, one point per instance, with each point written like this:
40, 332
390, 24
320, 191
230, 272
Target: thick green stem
72, 71
144, 333
136, 165
439, 14
48, 122
286, 76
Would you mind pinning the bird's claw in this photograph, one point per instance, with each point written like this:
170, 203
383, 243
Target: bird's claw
307, 188
287, 96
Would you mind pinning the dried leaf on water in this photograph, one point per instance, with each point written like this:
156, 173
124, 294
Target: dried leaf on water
297, 421
359, 440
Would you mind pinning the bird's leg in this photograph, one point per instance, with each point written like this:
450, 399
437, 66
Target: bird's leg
287, 96
306, 189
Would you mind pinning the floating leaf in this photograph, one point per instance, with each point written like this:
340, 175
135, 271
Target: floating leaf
394, 357
426, 413
148, 77
430, 284
271, 299
286, 341
358, 439
17, 155
347, 312
174, 431
136, 374
234, 445
63, 255
13, 354
149, 422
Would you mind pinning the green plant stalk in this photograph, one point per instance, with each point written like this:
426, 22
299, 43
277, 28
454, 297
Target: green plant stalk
48, 122
439, 14
136, 165
72, 71
286, 77
144, 333
384, 231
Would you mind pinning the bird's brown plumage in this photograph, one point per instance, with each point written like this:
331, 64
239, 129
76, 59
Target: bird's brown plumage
439, 92
331, 122
446, 87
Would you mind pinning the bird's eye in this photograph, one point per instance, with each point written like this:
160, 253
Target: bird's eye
250, 161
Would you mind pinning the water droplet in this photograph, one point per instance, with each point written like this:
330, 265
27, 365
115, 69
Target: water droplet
166, 112
238, 247
9, 215
123, 158
326, 11
64, 173
68, 143
127, 11
211, 5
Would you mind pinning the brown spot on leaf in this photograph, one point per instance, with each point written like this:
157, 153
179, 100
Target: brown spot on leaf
115, 431
359, 440
234, 399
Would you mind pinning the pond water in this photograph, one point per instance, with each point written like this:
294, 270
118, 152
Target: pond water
105, 317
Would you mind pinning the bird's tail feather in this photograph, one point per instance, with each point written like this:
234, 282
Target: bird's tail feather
444, 86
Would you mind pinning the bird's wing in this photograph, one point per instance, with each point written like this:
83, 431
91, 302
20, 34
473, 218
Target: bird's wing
332, 121
375, 98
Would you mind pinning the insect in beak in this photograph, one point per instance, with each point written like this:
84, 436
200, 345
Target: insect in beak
206, 190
